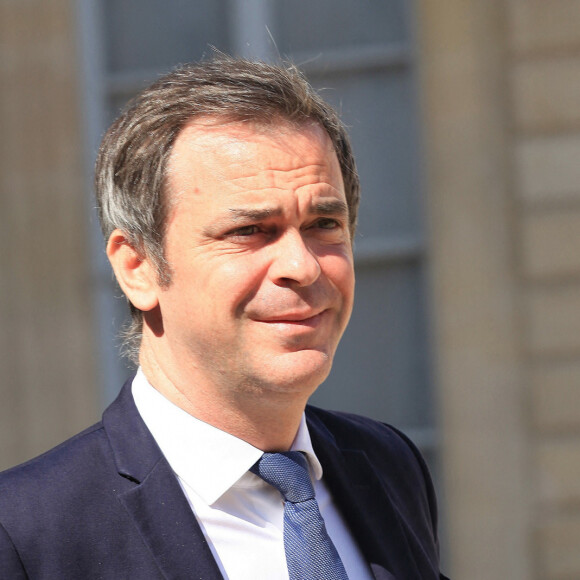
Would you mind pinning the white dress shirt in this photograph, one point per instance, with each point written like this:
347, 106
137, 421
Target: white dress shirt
242, 517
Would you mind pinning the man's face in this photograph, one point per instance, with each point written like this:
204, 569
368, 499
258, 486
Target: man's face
259, 248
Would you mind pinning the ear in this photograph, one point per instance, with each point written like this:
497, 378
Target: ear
135, 273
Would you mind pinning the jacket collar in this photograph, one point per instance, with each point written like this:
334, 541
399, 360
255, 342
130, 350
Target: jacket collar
154, 500
373, 517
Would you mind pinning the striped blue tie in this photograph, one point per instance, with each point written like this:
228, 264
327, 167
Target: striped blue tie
310, 553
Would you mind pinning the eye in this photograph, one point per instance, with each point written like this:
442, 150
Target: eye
245, 231
327, 224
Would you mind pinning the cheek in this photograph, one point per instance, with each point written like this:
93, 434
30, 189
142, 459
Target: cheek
339, 269
239, 279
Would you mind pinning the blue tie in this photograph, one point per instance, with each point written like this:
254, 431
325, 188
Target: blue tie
310, 553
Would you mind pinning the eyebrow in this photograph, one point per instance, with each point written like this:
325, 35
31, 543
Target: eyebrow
332, 207
240, 214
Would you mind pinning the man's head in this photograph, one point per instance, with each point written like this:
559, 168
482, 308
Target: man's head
131, 176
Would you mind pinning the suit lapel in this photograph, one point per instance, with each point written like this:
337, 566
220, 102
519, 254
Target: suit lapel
153, 498
167, 525
369, 511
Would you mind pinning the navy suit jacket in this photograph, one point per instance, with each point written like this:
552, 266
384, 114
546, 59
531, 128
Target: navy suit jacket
106, 504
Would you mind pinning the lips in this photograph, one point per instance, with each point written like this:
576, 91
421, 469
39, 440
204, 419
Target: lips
307, 318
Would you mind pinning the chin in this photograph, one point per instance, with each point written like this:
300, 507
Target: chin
300, 371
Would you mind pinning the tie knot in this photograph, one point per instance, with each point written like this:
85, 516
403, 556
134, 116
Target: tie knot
288, 473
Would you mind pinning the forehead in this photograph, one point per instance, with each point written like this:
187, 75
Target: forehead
234, 152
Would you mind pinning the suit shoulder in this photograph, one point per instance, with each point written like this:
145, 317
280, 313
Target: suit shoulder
393, 455
57, 494
386, 447
73, 459
349, 429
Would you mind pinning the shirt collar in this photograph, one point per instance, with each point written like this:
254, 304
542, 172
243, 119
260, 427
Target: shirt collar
209, 460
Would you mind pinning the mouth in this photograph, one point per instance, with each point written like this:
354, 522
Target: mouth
296, 319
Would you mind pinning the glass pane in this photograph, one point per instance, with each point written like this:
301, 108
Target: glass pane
304, 25
381, 368
379, 110
159, 34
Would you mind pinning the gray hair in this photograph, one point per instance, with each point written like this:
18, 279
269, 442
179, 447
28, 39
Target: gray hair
130, 175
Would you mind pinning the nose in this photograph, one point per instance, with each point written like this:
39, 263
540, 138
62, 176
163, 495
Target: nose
294, 263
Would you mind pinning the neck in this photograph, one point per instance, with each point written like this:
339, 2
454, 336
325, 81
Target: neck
266, 419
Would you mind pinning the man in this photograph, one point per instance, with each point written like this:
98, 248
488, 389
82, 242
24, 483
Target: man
228, 195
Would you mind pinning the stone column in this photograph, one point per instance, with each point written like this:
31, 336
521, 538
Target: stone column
47, 362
